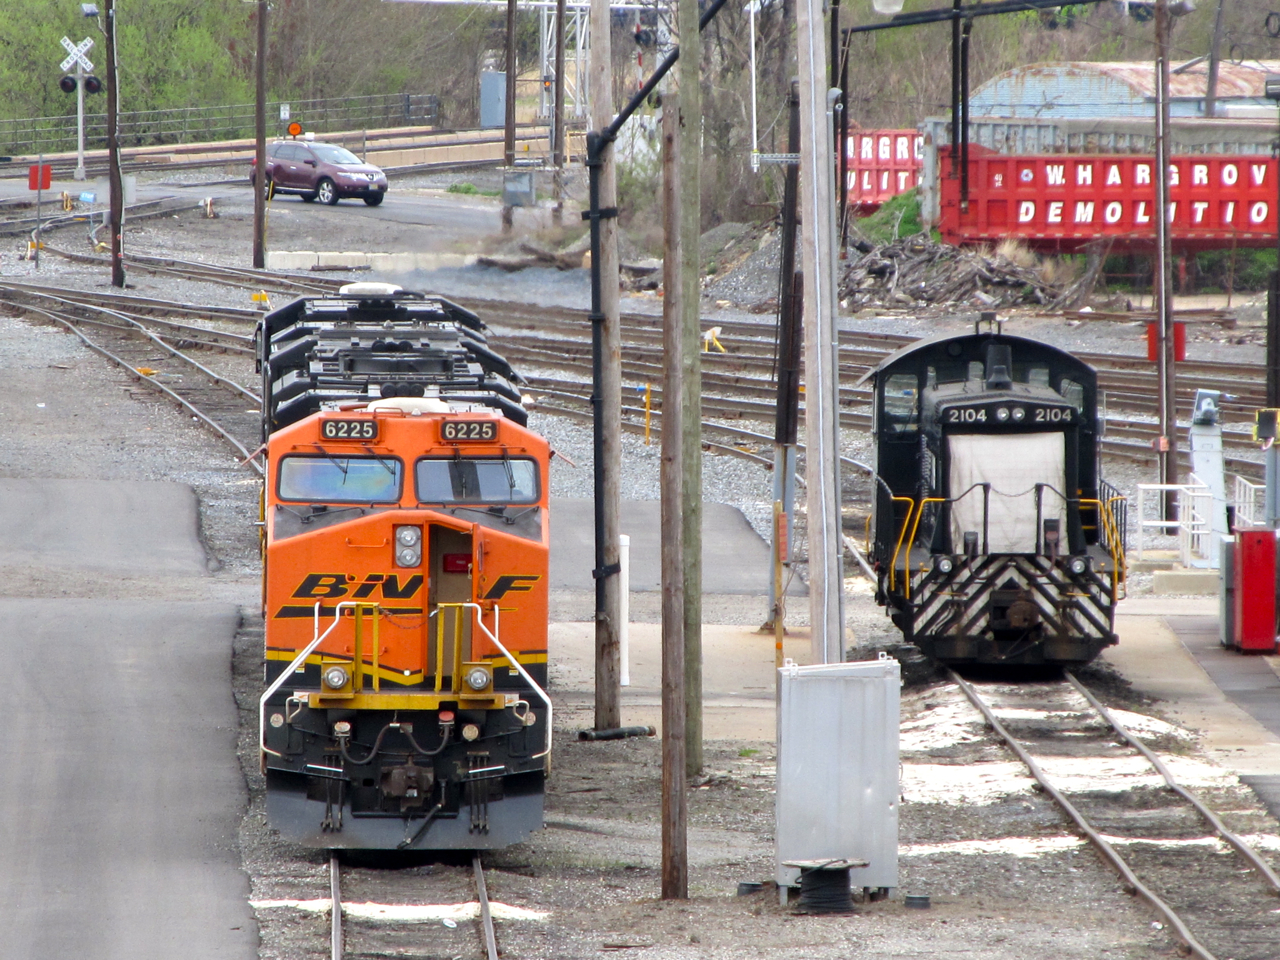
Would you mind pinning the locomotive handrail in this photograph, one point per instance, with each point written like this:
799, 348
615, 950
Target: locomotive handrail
285, 674
1113, 545
906, 521
519, 667
924, 502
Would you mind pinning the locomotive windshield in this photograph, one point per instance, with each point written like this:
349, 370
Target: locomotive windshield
340, 479
477, 480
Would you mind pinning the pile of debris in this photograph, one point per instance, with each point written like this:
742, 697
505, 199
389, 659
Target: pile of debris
917, 271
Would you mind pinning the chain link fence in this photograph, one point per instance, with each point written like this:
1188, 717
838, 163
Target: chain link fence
145, 128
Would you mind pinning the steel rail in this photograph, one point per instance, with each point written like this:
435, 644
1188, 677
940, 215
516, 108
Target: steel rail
335, 910
1196, 948
486, 914
1237, 842
195, 411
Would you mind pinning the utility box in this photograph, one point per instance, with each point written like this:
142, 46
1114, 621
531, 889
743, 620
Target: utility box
518, 189
1227, 592
837, 790
1255, 593
493, 99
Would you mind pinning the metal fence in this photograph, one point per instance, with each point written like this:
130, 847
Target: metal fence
144, 128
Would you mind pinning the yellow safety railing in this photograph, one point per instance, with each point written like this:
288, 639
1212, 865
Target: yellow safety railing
906, 522
1111, 533
912, 539
457, 644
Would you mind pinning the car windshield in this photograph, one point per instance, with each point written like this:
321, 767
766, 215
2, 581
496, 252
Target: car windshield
476, 480
331, 154
341, 479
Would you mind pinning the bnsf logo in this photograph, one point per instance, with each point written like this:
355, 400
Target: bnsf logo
332, 586
336, 586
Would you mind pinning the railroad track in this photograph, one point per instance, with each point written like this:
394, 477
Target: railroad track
1214, 891
157, 353
340, 935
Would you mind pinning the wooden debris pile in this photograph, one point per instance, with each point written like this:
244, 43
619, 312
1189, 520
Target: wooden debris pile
917, 271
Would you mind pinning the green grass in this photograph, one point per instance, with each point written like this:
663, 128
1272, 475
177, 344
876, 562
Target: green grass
747, 752
471, 190
902, 211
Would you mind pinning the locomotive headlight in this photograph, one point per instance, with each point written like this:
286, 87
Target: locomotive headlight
335, 677
1002, 414
408, 546
1078, 565
478, 678
470, 732
1019, 414
944, 565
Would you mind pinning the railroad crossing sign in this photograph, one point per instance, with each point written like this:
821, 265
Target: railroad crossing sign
76, 54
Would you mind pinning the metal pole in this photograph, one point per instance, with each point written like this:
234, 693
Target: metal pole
557, 121
822, 464
955, 90
260, 146
965, 30
79, 121
606, 369
1211, 87
1168, 454
509, 134
675, 853
842, 146
113, 150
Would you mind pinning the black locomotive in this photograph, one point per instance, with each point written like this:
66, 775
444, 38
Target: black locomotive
995, 539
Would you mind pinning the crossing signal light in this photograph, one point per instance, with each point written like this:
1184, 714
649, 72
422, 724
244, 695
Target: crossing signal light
92, 85
67, 84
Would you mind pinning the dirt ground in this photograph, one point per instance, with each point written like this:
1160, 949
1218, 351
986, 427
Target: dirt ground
1005, 879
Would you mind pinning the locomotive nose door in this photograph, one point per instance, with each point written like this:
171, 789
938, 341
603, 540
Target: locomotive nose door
1005, 487
450, 561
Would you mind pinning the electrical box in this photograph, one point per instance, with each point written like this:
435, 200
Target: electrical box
493, 99
837, 790
1227, 592
1255, 593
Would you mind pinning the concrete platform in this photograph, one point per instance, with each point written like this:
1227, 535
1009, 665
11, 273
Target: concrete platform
738, 678
1184, 581
735, 560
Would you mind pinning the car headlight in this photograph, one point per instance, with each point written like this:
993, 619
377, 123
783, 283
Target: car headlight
478, 678
1078, 565
335, 677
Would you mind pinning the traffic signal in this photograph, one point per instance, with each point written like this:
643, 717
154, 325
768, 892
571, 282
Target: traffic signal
68, 84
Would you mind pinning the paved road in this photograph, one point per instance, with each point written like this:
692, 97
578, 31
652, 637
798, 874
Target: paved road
121, 795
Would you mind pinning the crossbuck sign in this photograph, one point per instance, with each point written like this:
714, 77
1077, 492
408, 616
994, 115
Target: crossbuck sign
76, 54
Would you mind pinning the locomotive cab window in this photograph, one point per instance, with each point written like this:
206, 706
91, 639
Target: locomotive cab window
491, 480
901, 404
340, 479
1073, 393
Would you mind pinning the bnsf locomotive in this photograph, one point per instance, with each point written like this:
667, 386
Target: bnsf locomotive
995, 539
405, 587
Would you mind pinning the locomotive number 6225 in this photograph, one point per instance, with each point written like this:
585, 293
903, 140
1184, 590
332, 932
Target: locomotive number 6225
468, 430
349, 429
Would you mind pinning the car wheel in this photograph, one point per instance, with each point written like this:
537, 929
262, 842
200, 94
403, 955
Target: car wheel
308, 197
327, 191
373, 199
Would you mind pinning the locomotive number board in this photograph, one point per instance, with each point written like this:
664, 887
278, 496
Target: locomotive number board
1010, 414
349, 429
458, 431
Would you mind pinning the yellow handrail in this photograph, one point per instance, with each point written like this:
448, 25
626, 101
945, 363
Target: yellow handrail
1112, 534
919, 513
906, 521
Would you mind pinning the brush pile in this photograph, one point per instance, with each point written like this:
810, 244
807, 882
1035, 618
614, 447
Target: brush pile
917, 271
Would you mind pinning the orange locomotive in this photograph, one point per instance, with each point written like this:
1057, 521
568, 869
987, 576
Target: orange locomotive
406, 551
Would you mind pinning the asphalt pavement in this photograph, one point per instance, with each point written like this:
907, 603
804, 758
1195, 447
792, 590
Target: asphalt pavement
122, 795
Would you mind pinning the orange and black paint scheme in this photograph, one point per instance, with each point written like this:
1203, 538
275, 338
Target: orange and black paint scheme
406, 543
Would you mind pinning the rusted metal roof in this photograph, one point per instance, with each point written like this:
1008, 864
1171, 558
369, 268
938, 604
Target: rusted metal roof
1234, 79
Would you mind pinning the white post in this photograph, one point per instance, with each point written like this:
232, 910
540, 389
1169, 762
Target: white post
79, 120
755, 137
624, 610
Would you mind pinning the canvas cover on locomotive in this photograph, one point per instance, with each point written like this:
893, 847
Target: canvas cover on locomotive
335, 521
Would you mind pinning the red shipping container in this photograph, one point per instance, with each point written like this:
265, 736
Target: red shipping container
882, 164
1255, 594
1179, 342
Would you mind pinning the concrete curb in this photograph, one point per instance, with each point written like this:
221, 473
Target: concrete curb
381, 262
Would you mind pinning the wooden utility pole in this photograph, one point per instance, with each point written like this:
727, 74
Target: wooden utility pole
557, 121
260, 133
509, 133
114, 180
1168, 451
675, 853
607, 402
822, 425
690, 164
